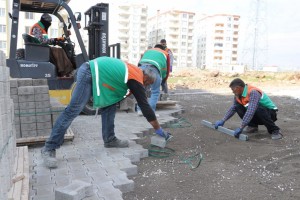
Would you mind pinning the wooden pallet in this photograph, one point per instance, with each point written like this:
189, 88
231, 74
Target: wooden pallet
20, 187
41, 139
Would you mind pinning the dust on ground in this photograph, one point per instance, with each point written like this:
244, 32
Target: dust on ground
231, 169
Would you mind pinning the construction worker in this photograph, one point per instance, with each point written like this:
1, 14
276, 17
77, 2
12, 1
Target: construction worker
158, 60
57, 55
254, 107
164, 83
108, 80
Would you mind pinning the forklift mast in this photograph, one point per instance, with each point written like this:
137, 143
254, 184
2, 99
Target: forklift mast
96, 22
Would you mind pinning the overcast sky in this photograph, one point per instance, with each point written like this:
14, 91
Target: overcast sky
280, 22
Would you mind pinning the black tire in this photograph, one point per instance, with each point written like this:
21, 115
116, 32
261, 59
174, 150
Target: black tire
88, 109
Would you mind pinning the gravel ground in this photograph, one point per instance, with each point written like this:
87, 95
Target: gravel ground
231, 169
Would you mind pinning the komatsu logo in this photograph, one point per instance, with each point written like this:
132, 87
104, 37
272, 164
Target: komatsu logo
103, 42
29, 65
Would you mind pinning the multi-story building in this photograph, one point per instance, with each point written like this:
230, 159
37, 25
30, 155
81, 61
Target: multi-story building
131, 31
177, 28
4, 25
216, 42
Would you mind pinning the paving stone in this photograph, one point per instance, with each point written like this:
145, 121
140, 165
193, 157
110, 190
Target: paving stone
38, 82
158, 141
25, 90
41, 89
77, 190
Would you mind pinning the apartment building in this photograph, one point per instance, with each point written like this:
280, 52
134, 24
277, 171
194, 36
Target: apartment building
131, 30
216, 42
177, 28
4, 25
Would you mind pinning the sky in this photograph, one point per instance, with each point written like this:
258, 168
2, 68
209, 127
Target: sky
279, 23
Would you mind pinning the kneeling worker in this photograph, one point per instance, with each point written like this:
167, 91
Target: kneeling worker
254, 107
109, 80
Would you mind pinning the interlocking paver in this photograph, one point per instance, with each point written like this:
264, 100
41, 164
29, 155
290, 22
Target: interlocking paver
86, 159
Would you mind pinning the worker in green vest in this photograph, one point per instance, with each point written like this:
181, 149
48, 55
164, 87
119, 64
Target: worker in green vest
254, 107
108, 80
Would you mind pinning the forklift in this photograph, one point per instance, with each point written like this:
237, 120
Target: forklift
36, 63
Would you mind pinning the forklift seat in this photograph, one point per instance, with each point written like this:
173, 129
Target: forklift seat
34, 50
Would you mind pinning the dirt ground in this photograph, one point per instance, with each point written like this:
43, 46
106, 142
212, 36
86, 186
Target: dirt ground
231, 169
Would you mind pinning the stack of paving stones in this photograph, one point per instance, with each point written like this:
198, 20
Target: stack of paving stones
32, 107
56, 109
7, 134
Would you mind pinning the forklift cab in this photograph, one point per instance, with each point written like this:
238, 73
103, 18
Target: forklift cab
36, 62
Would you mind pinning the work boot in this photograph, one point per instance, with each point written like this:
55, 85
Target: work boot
116, 143
49, 158
276, 135
251, 129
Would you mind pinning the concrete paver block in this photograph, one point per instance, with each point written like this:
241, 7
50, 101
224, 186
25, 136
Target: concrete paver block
77, 190
37, 82
25, 90
43, 89
158, 141
24, 82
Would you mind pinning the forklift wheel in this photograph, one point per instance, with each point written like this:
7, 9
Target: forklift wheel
88, 109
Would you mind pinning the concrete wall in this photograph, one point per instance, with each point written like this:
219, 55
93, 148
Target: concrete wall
7, 131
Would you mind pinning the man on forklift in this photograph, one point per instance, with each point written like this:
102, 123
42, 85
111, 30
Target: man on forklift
57, 55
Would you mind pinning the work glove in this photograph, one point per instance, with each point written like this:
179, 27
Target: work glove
163, 134
237, 132
219, 123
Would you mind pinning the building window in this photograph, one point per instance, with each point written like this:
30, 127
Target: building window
29, 15
2, 28
54, 33
2, 44
184, 15
184, 30
2, 12
183, 37
27, 29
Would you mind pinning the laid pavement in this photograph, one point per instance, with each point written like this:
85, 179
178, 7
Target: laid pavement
86, 160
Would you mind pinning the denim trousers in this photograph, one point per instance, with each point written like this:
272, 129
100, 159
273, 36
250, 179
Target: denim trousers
262, 116
80, 97
155, 88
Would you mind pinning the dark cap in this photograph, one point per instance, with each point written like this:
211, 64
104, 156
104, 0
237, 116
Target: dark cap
46, 17
163, 41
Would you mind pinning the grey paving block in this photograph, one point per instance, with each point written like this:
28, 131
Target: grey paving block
43, 118
77, 190
43, 125
43, 111
24, 82
37, 82
15, 98
44, 89
28, 119
26, 112
42, 104
31, 133
158, 141
41, 97
28, 127
26, 105
13, 91
120, 180
108, 191
13, 82
26, 98
25, 90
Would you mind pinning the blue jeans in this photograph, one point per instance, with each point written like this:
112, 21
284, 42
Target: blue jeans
155, 89
80, 97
